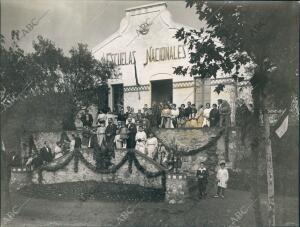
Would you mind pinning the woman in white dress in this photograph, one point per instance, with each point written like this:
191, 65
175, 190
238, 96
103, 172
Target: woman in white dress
174, 115
141, 139
101, 132
206, 113
166, 121
151, 146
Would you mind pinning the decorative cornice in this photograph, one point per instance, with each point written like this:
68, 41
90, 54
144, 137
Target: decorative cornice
183, 84
136, 88
226, 80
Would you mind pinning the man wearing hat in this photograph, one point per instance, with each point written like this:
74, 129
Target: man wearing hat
222, 178
202, 177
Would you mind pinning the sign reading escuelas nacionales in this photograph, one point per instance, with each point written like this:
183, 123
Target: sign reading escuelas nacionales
152, 54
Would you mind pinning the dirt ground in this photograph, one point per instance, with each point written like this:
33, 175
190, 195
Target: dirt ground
108, 210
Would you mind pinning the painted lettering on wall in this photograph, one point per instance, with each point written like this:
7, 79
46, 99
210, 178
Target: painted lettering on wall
122, 58
152, 55
165, 53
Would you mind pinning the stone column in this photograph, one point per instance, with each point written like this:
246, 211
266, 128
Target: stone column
176, 188
221, 148
20, 177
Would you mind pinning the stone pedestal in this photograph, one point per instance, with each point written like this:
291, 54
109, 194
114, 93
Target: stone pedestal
20, 177
176, 188
221, 148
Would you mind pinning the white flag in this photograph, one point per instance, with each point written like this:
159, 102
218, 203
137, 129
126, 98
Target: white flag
281, 130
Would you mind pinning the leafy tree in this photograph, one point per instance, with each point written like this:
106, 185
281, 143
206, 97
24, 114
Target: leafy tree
47, 70
14, 78
263, 37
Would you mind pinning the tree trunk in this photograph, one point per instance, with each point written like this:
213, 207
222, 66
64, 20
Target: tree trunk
5, 179
270, 172
255, 139
255, 184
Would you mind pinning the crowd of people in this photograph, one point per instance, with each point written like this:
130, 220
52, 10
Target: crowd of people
132, 130
126, 128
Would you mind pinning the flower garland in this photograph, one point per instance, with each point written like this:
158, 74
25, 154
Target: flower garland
51, 168
102, 171
130, 157
77, 155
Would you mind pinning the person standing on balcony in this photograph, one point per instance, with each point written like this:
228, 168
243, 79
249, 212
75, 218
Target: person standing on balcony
101, 132
214, 116
174, 115
193, 118
200, 117
188, 114
224, 111
141, 139
206, 113
152, 146
166, 117
181, 117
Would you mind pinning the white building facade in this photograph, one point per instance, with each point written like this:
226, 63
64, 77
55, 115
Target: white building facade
146, 35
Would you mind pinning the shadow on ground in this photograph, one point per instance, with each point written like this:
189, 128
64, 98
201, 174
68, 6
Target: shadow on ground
108, 192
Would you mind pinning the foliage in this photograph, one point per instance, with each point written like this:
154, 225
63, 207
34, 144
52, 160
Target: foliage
47, 70
245, 34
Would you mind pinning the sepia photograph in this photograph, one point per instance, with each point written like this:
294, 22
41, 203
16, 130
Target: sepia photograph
149, 113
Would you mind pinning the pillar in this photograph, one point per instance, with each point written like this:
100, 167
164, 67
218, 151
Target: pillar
176, 188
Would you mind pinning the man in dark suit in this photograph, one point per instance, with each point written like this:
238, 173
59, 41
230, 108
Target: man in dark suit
46, 153
214, 116
202, 177
86, 119
188, 110
131, 134
110, 133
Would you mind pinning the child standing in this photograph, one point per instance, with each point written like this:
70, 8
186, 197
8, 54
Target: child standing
202, 177
222, 178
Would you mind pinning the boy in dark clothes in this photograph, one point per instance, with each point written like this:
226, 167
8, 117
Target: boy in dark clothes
202, 177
